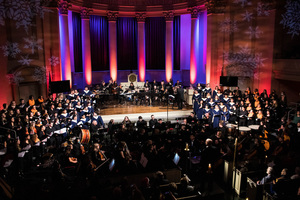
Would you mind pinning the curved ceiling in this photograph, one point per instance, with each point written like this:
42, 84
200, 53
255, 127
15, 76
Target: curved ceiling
130, 7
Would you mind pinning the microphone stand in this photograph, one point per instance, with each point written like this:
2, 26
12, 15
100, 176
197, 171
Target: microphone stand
167, 94
235, 148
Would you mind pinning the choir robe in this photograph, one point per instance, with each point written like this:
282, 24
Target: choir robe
216, 115
62, 115
199, 113
86, 93
225, 116
73, 123
99, 120
226, 100
211, 104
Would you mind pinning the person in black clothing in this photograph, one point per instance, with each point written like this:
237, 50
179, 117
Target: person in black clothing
209, 155
131, 87
152, 122
180, 97
141, 123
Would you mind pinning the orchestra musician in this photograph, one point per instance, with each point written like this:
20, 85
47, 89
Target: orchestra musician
97, 157
147, 84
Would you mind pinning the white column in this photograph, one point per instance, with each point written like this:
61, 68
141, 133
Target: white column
112, 43
64, 42
141, 46
169, 16
193, 59
86, 46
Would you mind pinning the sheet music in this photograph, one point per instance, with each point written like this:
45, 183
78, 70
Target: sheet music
61, 131
2, 151
21, 154
45, 140
37, 144
26, 148
143, 160
7, 163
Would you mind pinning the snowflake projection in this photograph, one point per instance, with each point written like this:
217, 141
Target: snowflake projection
259, 59
54, 61
247, 16
256, 75
40, 74
32, 43
253, 32
11, 49
291, 18
22, 11
243, 62
262, 9
15, 78
242, 2
228, 26
25, 60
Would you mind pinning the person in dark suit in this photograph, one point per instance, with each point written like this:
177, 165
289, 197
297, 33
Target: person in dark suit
180, 97
152, 122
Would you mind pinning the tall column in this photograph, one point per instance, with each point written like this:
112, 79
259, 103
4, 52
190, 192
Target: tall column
169, 16
71, 40
140, 17
112, 43
65, 61
86, 45
202, 42
193, 63
215, 41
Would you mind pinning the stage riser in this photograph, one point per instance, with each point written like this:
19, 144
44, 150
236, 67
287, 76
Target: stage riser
172, 115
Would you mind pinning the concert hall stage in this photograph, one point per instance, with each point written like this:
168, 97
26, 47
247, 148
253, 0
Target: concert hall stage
118, 112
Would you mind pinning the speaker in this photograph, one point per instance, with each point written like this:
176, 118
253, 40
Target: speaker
60, 86
231, 81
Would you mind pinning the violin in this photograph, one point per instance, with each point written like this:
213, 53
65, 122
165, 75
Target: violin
81, 148
102, 156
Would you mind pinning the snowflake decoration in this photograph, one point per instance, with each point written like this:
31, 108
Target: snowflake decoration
33, 43
242, 2
244, 49
256, 75
247, 16
11, 49
22, 11
291, 18
228, 26
14, 78
25, 60
243, 62
25, 23
253, 32
40, 74
54, 61
259, 59
262, 9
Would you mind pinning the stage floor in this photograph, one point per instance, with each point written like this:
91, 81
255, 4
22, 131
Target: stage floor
118, 112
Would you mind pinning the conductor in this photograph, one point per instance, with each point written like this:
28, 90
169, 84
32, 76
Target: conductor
180, 96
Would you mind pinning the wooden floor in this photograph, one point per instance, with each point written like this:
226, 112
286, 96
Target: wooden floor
115, 109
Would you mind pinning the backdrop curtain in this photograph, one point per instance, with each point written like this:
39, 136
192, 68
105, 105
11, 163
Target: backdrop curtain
127, 43
76, 19
155, 35
99, 43
176, 44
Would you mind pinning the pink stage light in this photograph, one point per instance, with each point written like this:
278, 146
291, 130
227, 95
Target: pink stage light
142, 71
